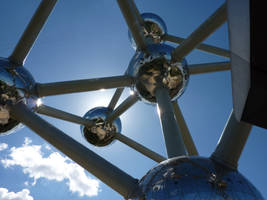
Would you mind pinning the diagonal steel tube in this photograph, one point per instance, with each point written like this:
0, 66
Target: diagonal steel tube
65, 87
126, 104
115, 98
59, 114
171, 132
187, 138
137, 13
140, 148
200, 34
232, 142
30, 34
208, 67
132, 21
115, 178
203, 47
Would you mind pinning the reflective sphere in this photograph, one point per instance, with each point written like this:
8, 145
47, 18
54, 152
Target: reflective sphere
102, 133
154, 28
15, 84
195, 178
156, 68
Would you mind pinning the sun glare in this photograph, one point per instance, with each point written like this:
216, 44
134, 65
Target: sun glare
39, 102
158, 110
131, 92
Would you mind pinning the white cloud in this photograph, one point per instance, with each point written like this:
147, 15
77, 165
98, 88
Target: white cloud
22, 195
27, 141
53, 167
47, 147
3, 146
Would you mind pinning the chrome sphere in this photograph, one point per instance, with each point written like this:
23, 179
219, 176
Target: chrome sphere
15, 84
195, 178
156, 68
102, 133
153, 29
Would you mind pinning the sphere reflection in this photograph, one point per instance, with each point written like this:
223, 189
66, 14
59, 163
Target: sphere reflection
15, 85
153, 29
157, 68
195, 178
102, 133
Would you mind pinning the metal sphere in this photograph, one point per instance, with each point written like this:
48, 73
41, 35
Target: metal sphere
153, 29
102, 133
156, 68
195, 178
15, 85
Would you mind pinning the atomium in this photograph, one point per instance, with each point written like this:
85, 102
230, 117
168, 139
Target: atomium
195, 178
15, 85
156, 68
103, 132
157, 73
153, 29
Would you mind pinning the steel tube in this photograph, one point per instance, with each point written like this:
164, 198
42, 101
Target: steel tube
203, 47
126, 104
137, 13
171, 131
208, 67
133, 23
140, 148
32, 31
115, 178
232, 142
200, 34
187, 138
59, 114
115, 98
57, 88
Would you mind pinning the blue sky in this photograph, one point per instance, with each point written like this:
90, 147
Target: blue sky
88, 39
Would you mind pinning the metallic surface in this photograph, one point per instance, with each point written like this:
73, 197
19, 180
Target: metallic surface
171, 132
190, 178
132, 21
125, 105
156, 68
153, 28
65, 87
15, 85
59, 114
115, 178
115, 98
136, 12
31, 32
187, 138
203, 47
140, 148
102, 133
239, 22
248, 60
208, 67
232, 142
160, 79
200, 34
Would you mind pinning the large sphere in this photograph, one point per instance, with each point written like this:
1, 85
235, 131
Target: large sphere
15, 85
102, 133
153, 29
195, 178
156, 68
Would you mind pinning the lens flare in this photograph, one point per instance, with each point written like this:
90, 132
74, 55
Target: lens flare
39, 102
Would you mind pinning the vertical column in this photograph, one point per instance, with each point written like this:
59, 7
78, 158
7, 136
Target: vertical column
172, 134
